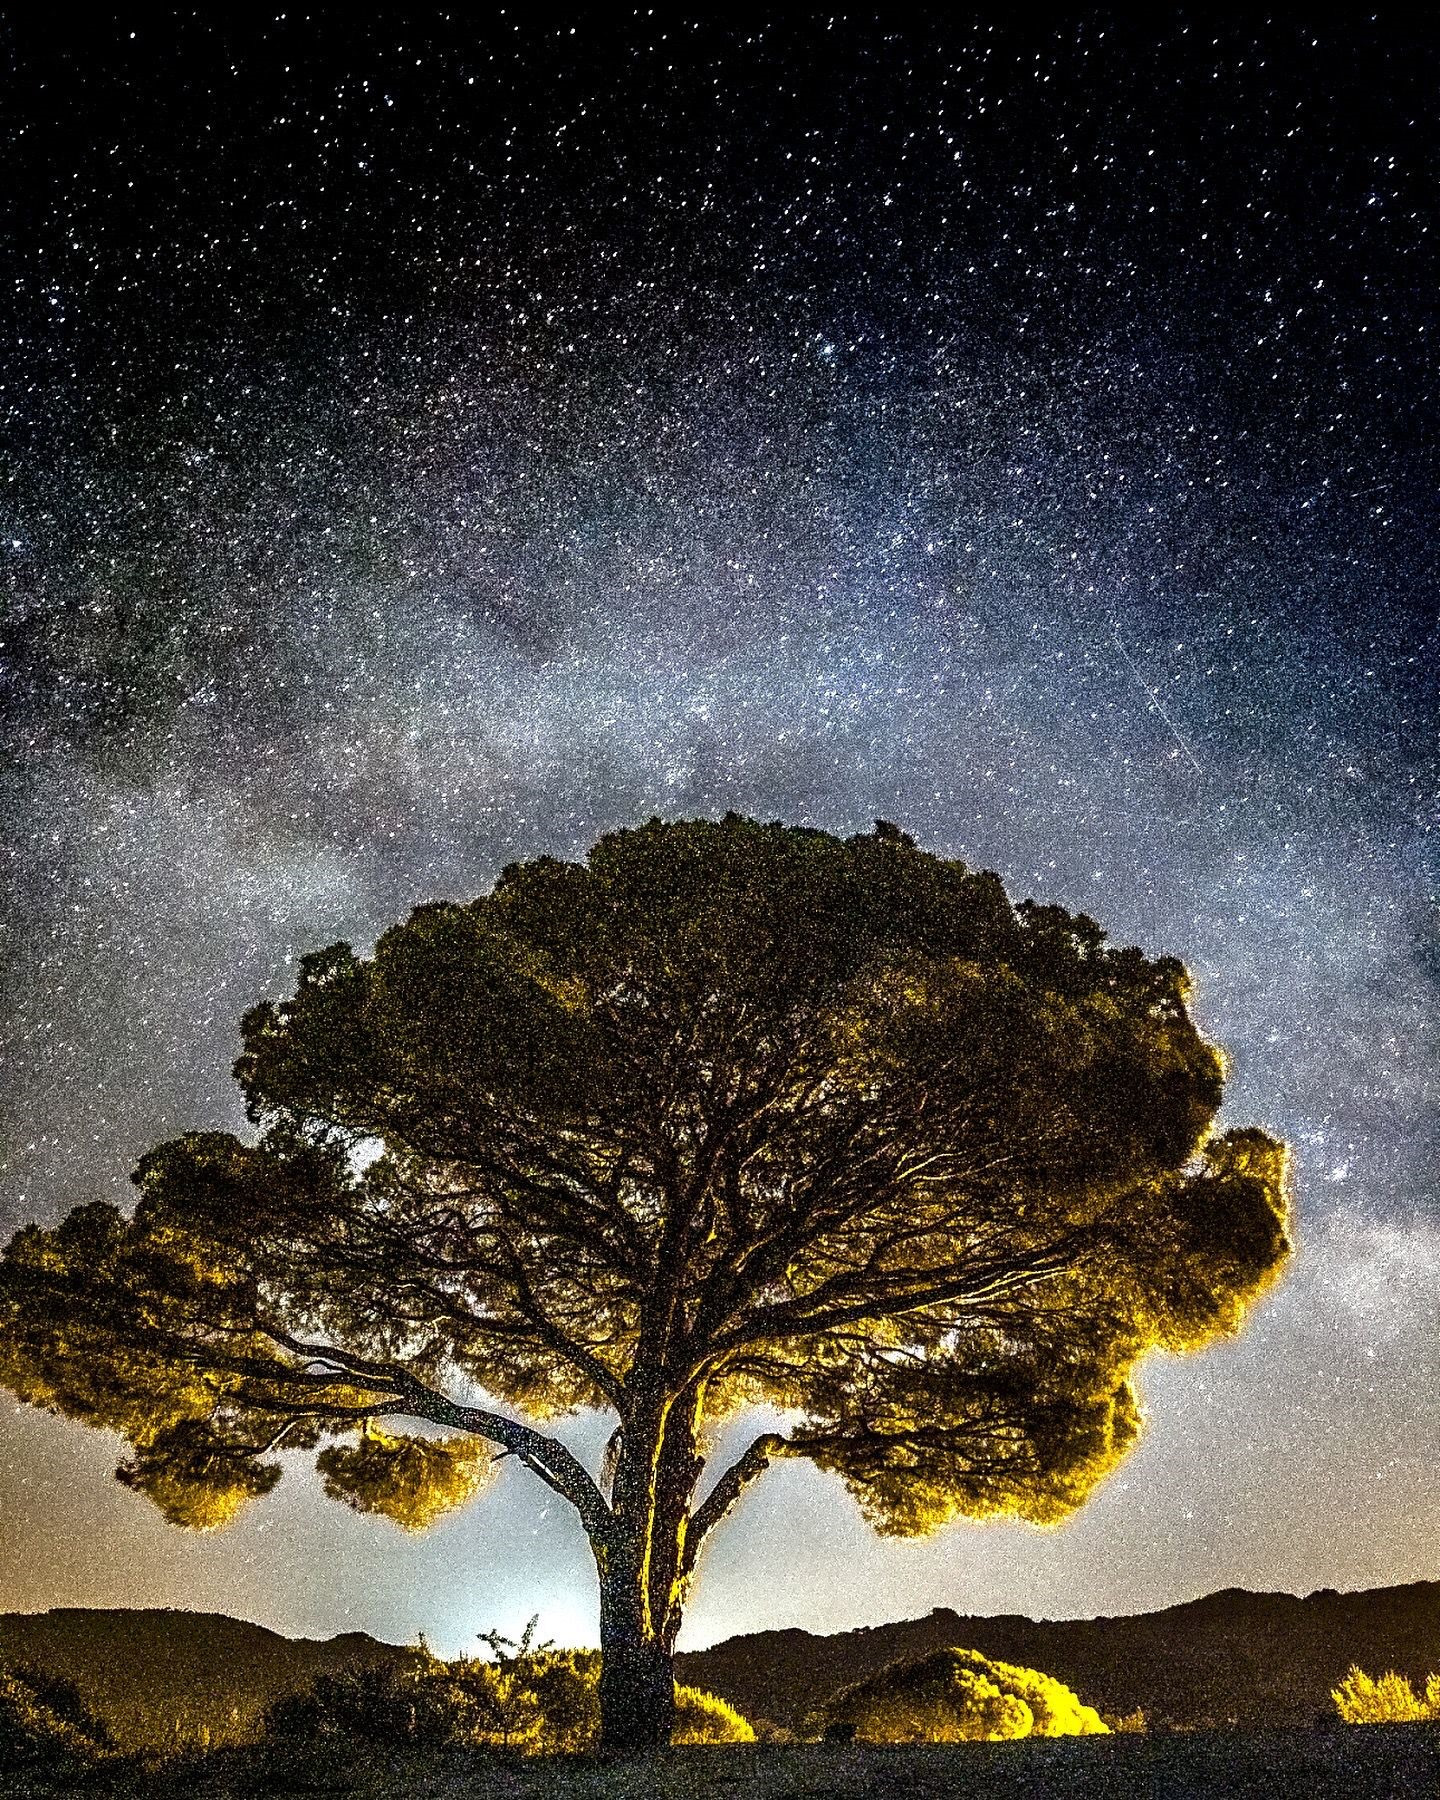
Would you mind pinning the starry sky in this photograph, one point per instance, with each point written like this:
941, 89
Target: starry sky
430, 441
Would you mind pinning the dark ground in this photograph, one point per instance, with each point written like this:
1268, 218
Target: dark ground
1350, 1763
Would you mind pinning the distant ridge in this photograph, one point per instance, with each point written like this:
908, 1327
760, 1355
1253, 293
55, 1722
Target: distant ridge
151, 1671
1234, 1657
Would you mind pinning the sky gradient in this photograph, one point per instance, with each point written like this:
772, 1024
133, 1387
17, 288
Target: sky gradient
425, 445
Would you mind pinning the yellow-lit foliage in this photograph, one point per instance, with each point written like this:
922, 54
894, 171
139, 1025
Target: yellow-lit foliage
194, 1478
543, 1702
956, 1696
704, 1718
564, 1688
45, 1728
412, 1480
1361, 1699
727, 1114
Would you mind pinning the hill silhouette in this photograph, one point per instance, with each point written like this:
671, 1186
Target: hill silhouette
153, 1674
1234, 1657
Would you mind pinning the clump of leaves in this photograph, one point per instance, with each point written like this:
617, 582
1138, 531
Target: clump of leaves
412, 1480
1362, 1700
45, 1725
956, 1696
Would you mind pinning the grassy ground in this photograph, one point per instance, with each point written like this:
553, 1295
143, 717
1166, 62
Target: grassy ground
1379, 1763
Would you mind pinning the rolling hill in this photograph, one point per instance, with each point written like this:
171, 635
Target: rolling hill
152, 1673
1232, 1658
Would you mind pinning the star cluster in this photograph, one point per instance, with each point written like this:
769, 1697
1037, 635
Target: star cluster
432, 443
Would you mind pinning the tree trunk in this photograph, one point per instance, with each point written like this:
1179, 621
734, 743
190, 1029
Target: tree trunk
637, 1676
641, 1589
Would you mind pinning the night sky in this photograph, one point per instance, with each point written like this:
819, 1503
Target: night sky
432, 443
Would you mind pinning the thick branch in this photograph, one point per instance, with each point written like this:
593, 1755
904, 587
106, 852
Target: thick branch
550, 1460
752, 1463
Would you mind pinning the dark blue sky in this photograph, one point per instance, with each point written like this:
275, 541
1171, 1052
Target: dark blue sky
429, 443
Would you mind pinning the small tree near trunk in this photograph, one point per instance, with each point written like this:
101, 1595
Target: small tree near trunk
727, 1114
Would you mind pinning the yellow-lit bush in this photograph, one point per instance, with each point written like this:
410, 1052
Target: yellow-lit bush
1361, 1700
704, 1718
566, 1688
539, 1702
957, 1696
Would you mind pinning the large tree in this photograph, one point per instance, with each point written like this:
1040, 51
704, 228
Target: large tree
728, 1114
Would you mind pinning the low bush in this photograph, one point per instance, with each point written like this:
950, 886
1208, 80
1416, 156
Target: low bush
415, 1702
704, 1718
1362, 1700
956, 1696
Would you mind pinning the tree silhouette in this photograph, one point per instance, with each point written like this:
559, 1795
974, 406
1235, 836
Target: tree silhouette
729, 1114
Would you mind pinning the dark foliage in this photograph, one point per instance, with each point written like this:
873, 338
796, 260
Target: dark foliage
45, 1725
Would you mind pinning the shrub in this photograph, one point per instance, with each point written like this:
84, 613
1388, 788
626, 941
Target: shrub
537, 1701
1361, 1700
955, 1696
44, 1723
702, 1718
412, 1702
565, 1688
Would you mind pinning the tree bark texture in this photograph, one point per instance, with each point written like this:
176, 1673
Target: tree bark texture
637, 1677
642, 1574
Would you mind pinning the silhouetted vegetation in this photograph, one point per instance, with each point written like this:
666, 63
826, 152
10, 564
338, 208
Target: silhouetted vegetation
45, 1727
729, 1113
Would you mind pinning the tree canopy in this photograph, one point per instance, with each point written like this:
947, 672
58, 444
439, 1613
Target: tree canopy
729, 1113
